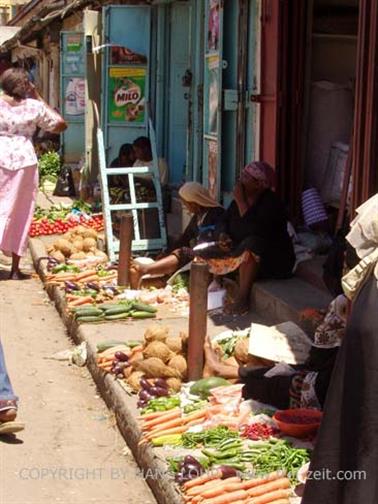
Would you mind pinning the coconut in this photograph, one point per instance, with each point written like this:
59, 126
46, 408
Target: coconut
64, 246
174, 384
57, 254
241, 350
78, 244
134, 379
178, 363
155, 368
174, 343
89, 244
78, 255
90, 233
157, 349
156, 332
136, 356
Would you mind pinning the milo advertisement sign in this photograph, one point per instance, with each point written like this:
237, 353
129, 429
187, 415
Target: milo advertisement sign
127, 94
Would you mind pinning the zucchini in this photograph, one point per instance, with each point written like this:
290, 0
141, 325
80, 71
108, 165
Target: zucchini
142, 307
88, 312
90, 318
203, 387
116, 310
107, 306
105, 345
143, 315
117, 316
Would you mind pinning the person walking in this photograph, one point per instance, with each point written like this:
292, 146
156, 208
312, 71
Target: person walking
22, 111
8, 401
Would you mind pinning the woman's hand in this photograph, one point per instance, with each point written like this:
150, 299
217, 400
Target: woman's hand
224, 242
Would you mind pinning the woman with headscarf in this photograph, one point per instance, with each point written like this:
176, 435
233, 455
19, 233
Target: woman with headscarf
206, 213
253, 234
344, 462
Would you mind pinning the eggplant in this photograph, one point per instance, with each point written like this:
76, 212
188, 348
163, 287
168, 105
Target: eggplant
119, 367
160, 382
141, 404
192, 471
72, 286
158, 391
191, 460
145, 384
228, 472
144, 395
121, 356
180, 478
93, 286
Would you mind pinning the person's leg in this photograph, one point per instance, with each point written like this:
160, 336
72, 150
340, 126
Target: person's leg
8, 400
247, 274
165, 266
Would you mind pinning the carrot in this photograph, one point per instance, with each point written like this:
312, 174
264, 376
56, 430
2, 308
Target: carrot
270, 497
202, 479
170, 415
174, 430
163, 425
81, 300
86, 274
197, 490
225, 498
278, 484
280, 501
194, 416
221, 489
261, 481
155, 414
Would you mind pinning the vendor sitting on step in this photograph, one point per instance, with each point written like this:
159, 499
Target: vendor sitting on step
143, 153
252, 235
206, 213
307, 385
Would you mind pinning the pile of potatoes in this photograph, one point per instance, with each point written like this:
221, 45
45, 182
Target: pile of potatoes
161, 356
78, 243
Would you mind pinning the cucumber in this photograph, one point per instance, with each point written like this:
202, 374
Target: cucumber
116, 310
117, 316
107, 306
88, 312
143, 315
142, 307
203, 387
90, 318
105, 345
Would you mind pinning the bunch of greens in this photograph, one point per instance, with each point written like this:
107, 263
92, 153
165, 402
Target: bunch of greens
181, 281
161, 404
209, 437
49, 166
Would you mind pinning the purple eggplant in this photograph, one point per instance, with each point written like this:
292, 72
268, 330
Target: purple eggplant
191, 460
71, 286
119, 367
145, 384
228, 472
193, 471
158, 391
144, 395
141, 404
160, 382
121, 356
93, 286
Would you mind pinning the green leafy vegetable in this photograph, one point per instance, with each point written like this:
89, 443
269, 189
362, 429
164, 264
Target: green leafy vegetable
161, 404
210, 437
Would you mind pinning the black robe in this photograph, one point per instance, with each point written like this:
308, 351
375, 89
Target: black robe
348, 437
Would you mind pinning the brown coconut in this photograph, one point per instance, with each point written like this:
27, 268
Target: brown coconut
174, 384
155, 368
241, 350
157, 349
156, 332
174, 343
178, 363
134, 379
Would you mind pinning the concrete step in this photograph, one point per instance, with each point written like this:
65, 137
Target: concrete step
283, 300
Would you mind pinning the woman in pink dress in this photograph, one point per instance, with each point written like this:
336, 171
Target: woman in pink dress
22, 111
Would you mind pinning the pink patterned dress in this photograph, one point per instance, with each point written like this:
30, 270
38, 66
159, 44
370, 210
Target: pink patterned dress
18, 169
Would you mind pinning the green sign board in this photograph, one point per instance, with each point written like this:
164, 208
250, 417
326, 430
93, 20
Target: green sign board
127, 94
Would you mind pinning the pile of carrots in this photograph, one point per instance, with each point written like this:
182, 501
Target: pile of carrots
80, 278
164, 423
210, 488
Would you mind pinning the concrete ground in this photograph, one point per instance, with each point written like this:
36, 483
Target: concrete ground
71, 451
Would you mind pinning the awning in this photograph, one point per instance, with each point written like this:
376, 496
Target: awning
7, 32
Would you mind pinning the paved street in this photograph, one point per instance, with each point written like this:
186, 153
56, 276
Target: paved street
71, 451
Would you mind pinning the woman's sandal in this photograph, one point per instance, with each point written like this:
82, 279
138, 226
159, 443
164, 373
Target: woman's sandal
11, 427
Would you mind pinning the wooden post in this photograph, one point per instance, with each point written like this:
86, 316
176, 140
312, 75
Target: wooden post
199, 281
125, 239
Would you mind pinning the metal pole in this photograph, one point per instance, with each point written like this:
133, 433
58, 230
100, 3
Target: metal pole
125, 239
199, 281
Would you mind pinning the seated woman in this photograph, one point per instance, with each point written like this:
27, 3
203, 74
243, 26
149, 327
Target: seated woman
253, 234
307, 386
206, 213
126, 158
143, 154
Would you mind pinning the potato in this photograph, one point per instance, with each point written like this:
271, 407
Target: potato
241, 350
100, 253
178, 363
156, 332
133, 380
80, 230
78, 244
90, 233
57, 254
89, 244
78, 255
155, 368
64, 246
174, 384
157, 349
174, 343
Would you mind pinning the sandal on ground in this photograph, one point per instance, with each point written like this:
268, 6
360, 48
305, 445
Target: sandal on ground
11, 427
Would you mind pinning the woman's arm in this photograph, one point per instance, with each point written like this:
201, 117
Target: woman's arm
61, 124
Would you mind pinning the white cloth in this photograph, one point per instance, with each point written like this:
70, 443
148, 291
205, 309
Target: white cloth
18, 124
163, 169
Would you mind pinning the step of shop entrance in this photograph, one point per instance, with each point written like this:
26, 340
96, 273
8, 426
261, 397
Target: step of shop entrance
283, 300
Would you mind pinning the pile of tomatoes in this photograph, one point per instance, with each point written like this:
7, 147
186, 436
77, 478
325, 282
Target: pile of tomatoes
60, 226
